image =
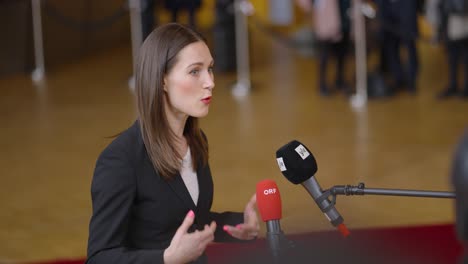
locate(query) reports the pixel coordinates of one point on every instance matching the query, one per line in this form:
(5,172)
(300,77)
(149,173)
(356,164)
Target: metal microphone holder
(362,190)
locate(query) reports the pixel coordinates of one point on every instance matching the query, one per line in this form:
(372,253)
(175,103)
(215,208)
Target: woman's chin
(201,113)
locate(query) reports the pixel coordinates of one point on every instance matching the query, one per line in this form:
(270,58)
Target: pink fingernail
(238,226)
(191,213)
(225,228)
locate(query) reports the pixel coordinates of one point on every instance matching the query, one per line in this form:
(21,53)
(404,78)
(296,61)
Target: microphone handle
(274,237)
(321,199)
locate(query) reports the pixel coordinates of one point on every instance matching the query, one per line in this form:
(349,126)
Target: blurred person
(147,17)
(332,30)
(152,188)
(399,28)
(175,6)
(224,38)
(451,28)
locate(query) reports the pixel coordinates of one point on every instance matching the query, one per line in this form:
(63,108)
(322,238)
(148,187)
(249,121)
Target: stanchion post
(38,73)
(359,100)
(137,36)
(242,86)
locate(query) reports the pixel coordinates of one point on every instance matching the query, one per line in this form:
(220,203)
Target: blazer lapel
(205,186)
(178,186)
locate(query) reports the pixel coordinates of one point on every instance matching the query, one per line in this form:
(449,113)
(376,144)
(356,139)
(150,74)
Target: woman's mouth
(206,100)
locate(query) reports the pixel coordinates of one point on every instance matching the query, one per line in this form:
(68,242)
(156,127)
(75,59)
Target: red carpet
(435,244)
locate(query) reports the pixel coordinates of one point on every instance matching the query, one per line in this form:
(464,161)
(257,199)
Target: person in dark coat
(175,6)
(399,28)
(337,49)
(147,17)
(452,29)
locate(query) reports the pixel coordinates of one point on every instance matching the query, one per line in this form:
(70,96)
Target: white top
(190,176)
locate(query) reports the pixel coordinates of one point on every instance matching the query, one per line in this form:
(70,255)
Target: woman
(332,30)
(399,29)
(454,30)
(152,188)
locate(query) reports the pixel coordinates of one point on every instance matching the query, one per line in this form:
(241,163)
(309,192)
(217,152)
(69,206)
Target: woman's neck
(177,121)
(177,126)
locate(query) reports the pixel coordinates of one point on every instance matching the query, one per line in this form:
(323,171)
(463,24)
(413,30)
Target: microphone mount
(361,189)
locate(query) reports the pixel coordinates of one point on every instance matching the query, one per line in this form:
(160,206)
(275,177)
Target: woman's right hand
(186,247)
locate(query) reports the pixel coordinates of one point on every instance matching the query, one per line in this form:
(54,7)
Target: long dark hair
(158,55)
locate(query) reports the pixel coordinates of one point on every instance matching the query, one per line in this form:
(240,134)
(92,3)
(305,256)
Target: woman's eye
(210,69)
(194,72)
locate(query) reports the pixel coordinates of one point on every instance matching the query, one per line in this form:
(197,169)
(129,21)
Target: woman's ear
(164,84)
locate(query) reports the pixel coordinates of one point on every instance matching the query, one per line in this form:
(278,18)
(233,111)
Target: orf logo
(269,191)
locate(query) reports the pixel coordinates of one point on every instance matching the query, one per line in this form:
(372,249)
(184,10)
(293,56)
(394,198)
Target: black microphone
(460,183)
(298,165)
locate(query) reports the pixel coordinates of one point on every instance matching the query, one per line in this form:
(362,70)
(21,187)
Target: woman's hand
(186,247)
(249,229)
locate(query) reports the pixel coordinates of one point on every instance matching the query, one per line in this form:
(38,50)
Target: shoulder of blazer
(127,143)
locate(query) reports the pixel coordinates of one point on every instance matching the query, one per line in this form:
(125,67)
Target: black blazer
(136,212)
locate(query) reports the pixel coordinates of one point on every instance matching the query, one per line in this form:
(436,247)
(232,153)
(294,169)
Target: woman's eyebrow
(195,64)
(199,64)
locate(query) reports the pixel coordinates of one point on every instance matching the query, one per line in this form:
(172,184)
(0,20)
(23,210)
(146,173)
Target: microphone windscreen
(268,200)
(460,183)
(296,162)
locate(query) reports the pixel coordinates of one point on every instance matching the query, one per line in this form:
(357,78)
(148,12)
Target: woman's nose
(209,83)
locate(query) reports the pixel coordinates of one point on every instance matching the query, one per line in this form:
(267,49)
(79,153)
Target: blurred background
(378,93)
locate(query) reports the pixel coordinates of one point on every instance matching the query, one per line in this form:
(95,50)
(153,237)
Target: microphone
(269,207)
(298,165)
(460,183)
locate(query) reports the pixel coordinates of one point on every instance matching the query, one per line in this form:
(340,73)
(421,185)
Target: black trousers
(339,50)
(400,72)
(457,51)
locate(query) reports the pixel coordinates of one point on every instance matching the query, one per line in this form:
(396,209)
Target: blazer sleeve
(113,191)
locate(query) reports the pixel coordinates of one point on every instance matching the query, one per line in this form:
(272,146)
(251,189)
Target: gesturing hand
(186,247)
(249,229)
